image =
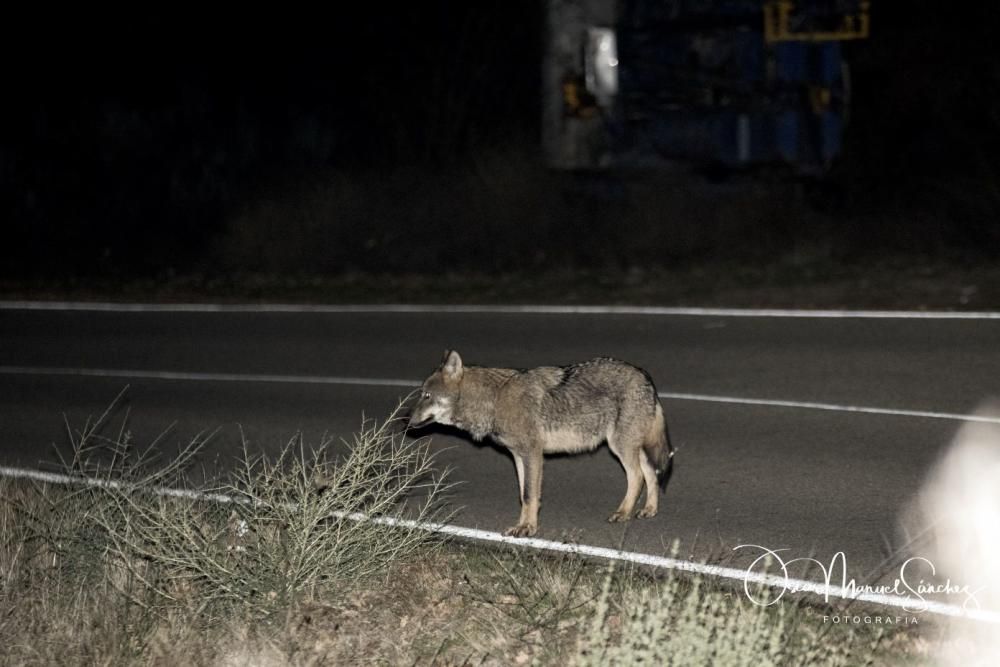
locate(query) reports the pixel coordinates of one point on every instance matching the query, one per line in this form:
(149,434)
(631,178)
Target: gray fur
(555,409)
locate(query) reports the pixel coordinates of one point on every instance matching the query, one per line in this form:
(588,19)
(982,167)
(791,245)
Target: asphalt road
(813,481)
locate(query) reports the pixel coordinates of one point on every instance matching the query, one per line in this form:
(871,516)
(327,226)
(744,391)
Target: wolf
(556,409)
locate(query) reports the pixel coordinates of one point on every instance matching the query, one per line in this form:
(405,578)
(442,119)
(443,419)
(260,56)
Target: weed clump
(129,541)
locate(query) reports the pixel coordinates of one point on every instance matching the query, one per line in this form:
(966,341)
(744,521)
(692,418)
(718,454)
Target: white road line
(908,604)
(206,377)
(809,405)
(410,384)
(527,309)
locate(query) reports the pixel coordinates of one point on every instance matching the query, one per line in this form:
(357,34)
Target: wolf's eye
(425,395)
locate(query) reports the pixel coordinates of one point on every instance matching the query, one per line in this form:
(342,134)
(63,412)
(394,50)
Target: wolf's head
(439,393)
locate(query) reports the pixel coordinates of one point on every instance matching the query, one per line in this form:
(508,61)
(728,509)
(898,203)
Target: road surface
(814,479)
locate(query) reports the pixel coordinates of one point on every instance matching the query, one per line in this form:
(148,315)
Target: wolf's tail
(658,448)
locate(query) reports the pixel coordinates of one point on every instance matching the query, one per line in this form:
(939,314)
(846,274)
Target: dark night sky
(141,131)
(147,127)
(357,72)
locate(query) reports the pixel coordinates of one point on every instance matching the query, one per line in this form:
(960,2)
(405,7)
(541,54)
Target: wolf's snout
(419,418)
(419,424)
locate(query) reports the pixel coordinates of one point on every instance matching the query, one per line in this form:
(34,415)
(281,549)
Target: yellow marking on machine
(778,16)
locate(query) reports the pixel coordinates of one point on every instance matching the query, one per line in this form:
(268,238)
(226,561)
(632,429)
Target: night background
(762,235)
(160,144)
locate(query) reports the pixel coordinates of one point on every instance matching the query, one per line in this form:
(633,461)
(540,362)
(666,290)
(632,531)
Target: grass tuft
(112,566)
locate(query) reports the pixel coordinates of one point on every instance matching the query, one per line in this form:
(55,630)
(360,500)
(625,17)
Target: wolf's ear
(452,366)
(444,359)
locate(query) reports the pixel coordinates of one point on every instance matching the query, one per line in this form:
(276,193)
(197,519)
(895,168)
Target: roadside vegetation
(306,558)
(807,279)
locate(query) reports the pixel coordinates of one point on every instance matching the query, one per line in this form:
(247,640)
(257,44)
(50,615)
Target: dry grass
(96,571)
(113,572)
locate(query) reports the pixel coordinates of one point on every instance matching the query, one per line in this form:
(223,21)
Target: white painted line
(58,478)
(207,377)
(410,384)
(809,405)
(516,309)
(662,562)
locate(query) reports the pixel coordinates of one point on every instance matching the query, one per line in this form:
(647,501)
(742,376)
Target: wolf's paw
(619,516)
(522,530)
(646,513)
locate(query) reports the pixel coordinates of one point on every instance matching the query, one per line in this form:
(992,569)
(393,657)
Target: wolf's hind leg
(629,457)
(652,496)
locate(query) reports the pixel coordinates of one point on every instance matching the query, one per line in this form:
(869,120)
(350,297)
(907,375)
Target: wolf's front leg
(529,467)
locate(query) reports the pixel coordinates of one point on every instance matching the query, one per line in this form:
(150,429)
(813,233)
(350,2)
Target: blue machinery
(632,83)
